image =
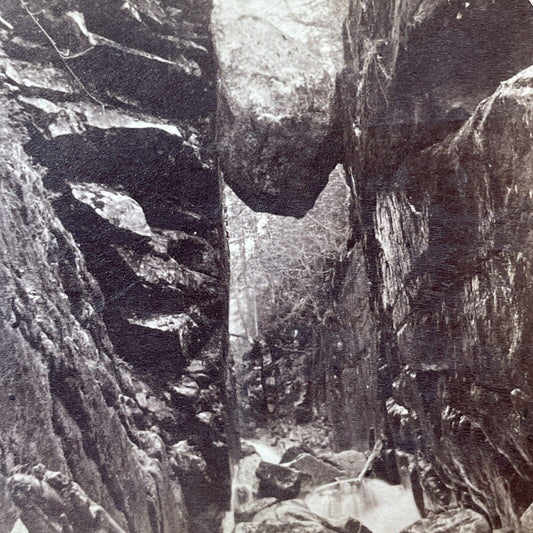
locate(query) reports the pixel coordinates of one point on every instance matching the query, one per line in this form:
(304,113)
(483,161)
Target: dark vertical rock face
(442,227)
(113,269)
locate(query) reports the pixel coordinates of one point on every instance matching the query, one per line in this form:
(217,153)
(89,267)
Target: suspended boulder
(275,103)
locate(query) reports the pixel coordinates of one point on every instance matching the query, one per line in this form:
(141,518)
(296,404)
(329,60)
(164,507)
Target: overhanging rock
(277,67)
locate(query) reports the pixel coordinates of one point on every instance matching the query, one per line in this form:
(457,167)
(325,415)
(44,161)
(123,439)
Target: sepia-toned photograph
(266,266)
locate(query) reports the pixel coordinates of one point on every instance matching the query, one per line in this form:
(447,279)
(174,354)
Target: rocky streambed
(323,492)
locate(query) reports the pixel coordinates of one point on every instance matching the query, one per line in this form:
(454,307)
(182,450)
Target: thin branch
(6,23)
(61,54)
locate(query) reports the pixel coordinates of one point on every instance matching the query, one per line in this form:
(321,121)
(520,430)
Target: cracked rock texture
(438,153)
(114,276)
(113,260)
(277,66)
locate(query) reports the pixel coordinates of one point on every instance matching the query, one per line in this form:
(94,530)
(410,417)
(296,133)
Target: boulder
(277,66)
(188,462)
(294,451)
(319,471)
(152,444)
(294,516)
(246,511)
(280,527)
(452,521)
(278,481)
(350,462)
(246,448)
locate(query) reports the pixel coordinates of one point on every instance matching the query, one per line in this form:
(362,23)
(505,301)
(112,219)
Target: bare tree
(281,269)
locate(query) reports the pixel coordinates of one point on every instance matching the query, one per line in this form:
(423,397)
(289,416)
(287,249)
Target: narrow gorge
(392,325)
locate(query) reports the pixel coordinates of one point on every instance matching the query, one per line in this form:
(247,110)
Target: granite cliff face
(114,269)
(439,155)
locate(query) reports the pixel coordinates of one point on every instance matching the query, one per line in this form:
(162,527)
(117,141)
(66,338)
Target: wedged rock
(319,471)
(350,462)
(277,67)
(278,481)
(453,521)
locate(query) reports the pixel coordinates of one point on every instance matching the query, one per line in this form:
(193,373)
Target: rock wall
(114,269)
(438,153)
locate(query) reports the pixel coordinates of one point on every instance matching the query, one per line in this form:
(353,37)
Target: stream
(381,507)
(266,452)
